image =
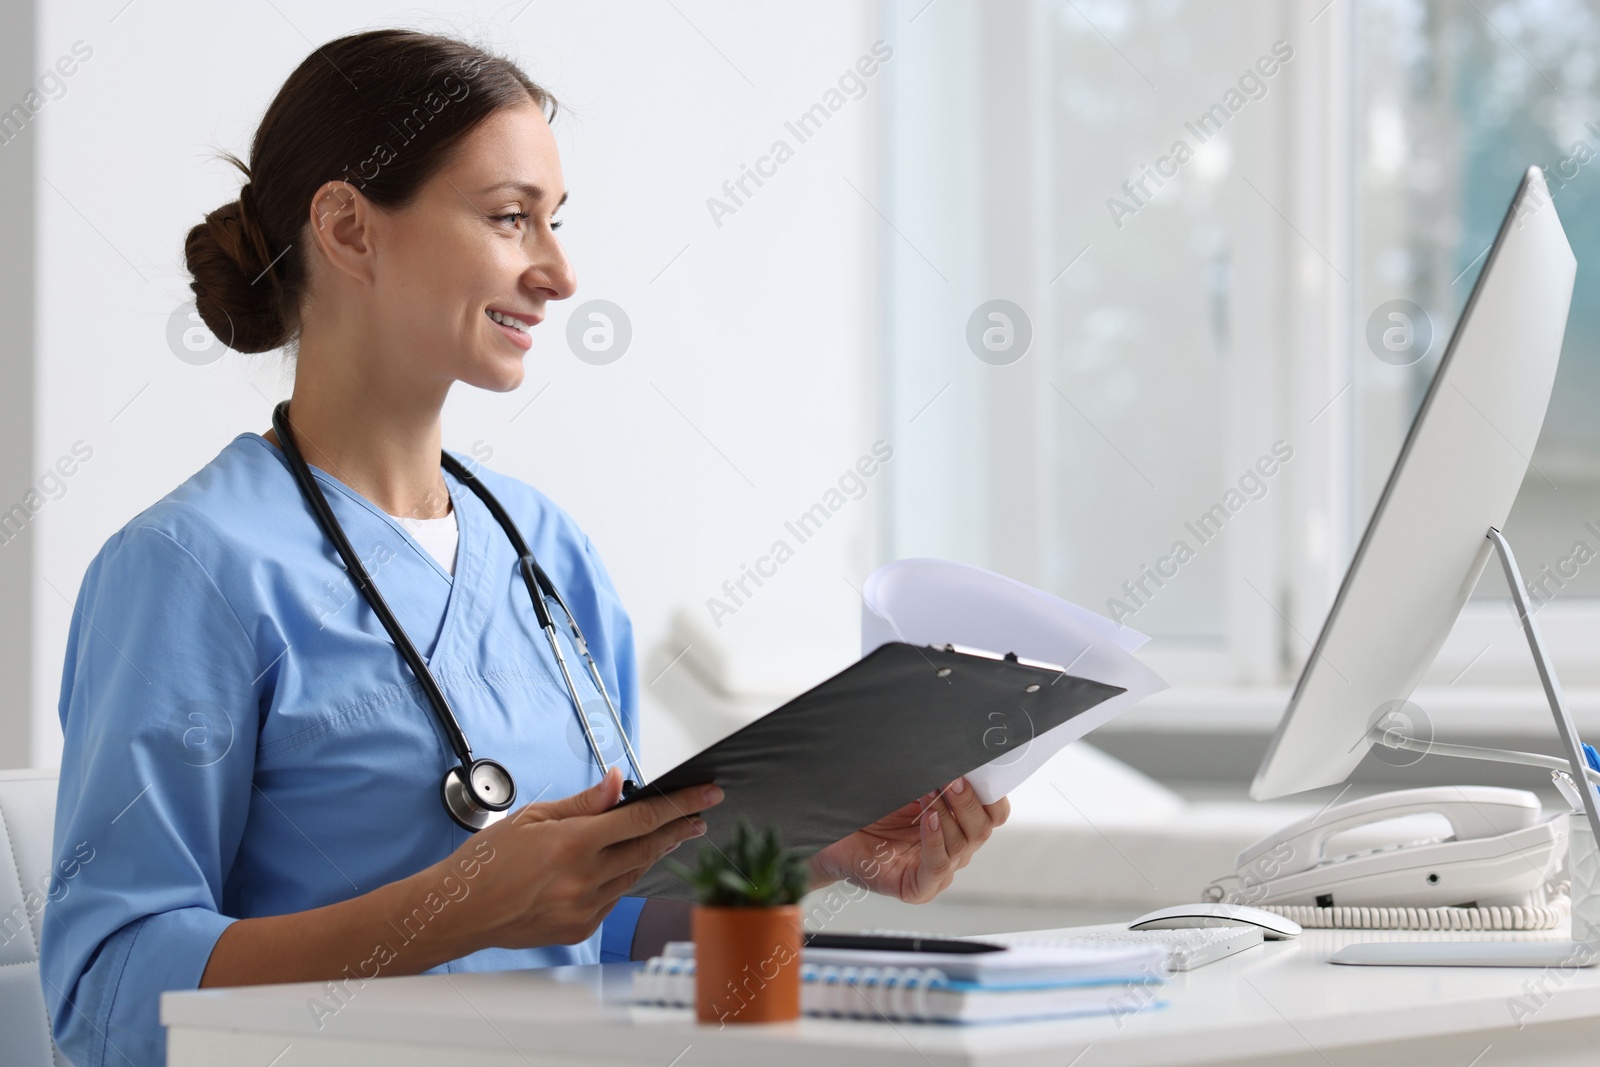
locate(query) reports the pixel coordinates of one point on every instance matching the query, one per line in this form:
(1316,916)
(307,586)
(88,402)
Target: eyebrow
(527,189)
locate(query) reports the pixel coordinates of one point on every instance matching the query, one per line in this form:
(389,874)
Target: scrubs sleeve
(618,928)
(615,657)
(159,708)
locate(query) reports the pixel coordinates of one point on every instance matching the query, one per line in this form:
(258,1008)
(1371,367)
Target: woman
(255,772)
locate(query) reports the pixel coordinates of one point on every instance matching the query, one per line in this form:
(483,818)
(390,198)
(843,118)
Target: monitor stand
(1583,857)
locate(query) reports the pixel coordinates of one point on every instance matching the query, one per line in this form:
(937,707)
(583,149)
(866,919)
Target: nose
(552,271)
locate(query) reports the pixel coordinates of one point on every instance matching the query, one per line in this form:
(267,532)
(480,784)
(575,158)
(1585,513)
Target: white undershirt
(438,536)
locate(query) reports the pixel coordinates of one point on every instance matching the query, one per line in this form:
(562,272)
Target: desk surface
(1282,1003)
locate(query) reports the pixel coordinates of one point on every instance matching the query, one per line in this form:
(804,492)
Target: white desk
(1281,1004)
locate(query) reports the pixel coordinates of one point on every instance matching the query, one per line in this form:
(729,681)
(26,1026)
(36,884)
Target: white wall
(762,332)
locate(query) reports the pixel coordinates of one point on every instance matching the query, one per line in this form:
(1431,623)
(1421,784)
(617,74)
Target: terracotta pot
(746,964)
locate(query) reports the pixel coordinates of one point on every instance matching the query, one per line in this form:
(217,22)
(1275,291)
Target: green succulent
(753,870)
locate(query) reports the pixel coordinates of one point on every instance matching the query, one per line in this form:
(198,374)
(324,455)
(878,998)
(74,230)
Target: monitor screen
(1457,475)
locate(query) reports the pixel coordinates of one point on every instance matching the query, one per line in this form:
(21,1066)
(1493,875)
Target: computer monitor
(1458,473)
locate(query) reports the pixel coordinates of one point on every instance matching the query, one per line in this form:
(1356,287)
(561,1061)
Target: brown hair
(381,110)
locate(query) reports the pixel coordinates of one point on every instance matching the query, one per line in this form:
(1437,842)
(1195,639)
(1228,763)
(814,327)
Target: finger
(643,852)
(970,816)
(999,811)
(618,884)
(933,867)
(906,814)
(647,816)
(616,887)
(956,844)
(602,796)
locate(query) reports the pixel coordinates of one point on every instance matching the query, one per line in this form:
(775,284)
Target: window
(1456,101)
(1131,254)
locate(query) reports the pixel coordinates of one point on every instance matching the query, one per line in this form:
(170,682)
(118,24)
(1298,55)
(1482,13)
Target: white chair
(27,818)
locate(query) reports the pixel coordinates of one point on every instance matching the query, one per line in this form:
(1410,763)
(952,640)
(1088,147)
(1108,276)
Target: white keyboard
(1186,949)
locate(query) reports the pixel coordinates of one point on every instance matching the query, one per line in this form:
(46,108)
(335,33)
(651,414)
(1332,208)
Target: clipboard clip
(1010,657)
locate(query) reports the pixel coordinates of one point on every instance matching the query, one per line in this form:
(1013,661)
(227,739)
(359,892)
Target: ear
(341,232)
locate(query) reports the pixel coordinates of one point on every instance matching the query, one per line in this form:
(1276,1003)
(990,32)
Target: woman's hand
(545,875)
(915,852)
(550,872)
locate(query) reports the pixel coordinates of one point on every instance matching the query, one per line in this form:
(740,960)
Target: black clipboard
(903,721)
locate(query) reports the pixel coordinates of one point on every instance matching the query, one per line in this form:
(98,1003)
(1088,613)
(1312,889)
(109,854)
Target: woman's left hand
(915,852)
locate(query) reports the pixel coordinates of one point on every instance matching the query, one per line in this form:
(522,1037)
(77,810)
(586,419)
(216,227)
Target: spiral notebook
(1062,980)
(912,994)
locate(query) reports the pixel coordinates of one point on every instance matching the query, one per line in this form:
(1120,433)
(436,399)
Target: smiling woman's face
(477,243)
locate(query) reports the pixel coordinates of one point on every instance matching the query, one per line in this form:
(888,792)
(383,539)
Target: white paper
(938,602)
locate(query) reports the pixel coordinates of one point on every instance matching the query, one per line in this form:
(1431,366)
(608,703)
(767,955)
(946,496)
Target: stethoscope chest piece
(480,796)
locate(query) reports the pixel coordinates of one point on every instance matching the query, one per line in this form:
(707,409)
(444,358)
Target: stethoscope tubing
(533,576)
(369,589)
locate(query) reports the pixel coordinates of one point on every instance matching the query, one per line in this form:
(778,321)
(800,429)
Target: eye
(514,216)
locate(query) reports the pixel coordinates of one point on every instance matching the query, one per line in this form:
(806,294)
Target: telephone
(1498,851)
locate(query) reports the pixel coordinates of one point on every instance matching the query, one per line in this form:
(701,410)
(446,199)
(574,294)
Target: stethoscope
(476,792)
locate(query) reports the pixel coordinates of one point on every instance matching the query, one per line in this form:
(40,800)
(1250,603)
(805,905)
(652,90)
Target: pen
(882,943)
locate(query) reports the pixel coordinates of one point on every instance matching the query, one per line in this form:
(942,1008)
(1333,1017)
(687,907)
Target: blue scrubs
(244,739)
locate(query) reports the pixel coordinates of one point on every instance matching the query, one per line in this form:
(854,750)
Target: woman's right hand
(545,875)
(551,871)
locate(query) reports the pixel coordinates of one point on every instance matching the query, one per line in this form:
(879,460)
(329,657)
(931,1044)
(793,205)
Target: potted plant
(746,925)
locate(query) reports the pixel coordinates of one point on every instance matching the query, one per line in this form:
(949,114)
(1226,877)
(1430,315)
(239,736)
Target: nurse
(251,779)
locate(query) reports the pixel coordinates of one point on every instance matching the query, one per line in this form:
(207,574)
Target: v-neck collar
(466,537)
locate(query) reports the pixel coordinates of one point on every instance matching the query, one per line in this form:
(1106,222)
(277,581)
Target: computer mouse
(1189,916)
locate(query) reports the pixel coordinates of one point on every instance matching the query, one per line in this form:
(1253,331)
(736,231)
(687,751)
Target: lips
(513,329)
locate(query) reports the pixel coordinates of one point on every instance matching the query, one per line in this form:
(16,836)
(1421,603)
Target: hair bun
(250,226)
(235,287)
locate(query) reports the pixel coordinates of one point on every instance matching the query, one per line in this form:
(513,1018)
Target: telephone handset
(1498,851)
